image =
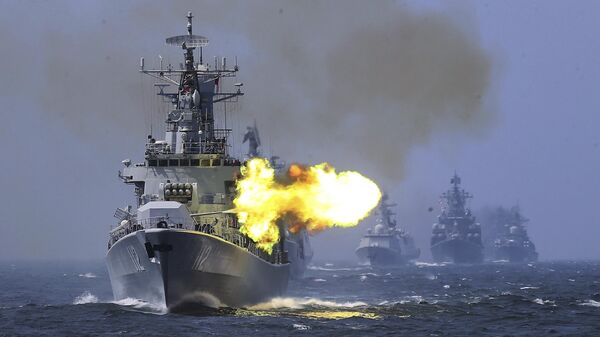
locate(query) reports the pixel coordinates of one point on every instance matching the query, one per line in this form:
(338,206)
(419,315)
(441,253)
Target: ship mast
(191,124)
(386,212)
(456,198)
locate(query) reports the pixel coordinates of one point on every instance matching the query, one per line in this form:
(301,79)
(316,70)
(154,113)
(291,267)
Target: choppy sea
(493,299)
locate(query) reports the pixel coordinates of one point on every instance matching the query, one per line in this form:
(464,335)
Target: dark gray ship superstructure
(386,244)
(513,243)
(456,237)
(299,250)
(182,247)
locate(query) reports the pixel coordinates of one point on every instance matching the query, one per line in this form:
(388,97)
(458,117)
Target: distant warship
(299,250)
(385,244)
(456,236)
(182,246)
(513,243)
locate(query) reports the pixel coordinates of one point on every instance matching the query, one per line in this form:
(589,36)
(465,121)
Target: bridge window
(173,162)
(184,162)
(195,162)
(162,162)
(151,162)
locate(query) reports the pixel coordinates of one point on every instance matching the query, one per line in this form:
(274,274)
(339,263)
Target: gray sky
(519,122)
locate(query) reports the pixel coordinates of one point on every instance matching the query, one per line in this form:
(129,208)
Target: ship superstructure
(182,246)
(386,244)
(456,237)
(513,243)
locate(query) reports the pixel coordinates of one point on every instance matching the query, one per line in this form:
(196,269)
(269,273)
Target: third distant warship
(513,243)
(181,246)
(456,236)
(385,244)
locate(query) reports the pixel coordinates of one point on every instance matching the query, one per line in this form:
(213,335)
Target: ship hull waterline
(457,251)
(515,254)
(381,256)
(185,271)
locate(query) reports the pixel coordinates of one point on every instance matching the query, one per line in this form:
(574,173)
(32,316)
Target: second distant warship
(513,243)
(386,244)
(456,237)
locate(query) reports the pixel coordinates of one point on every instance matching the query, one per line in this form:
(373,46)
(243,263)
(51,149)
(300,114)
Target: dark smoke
(342,81)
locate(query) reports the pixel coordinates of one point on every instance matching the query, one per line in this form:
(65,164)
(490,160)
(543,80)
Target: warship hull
(185,271)
(457,251)
(515,254)
(380,256)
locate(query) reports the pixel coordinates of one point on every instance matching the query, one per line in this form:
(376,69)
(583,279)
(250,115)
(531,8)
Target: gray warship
(456,237)
(181,247)
(513,243)
(386,244)
(299,250)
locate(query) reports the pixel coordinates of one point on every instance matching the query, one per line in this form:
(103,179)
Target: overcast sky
(505,93)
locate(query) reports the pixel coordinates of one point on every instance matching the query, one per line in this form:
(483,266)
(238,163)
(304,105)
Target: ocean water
(494,299)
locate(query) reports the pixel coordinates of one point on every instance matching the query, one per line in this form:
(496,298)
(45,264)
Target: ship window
(205,162)
(195,162)
(173,162)
(216,162)
(162,162)
(184,162)
(152,162)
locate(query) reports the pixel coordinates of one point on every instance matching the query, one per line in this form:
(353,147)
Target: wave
(301,327)
(320,280)
(542,302)
(88,275)
(85,298)
(141,305)
(335,269)
(428,264)
(591,303)
(303,303)
(88,298)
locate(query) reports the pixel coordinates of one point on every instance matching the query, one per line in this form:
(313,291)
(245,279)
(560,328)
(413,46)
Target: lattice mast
(191,124)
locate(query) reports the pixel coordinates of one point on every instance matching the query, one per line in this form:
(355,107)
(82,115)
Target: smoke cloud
(342,81)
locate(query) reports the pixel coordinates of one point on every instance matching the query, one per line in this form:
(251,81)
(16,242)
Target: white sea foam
(428,264)
(363,278)
(369,274)
(334,269)
(141,305)
(301,303)
(320,280)
(85,298)
(412,299)
(525,288)
(542,302)
(88,275)
(301,327)
(591,303)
